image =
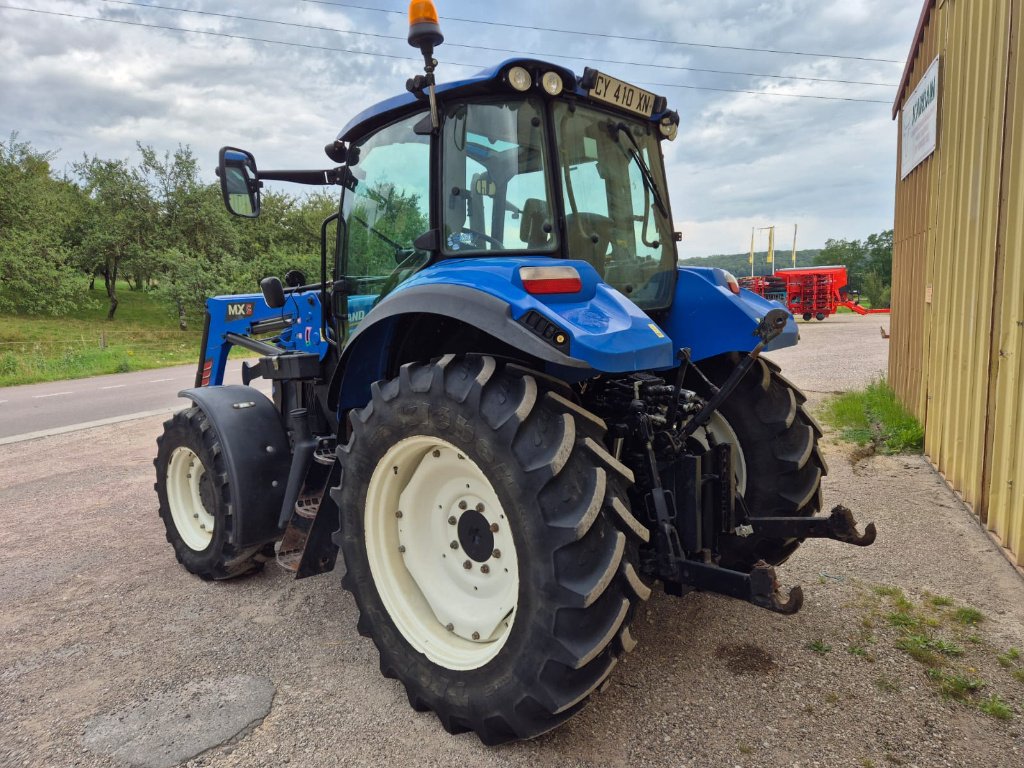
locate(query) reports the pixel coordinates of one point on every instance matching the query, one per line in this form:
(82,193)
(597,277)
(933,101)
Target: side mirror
(273,292)
(239,182)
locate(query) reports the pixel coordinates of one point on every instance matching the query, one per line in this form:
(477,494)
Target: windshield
(496,193)
(616,207)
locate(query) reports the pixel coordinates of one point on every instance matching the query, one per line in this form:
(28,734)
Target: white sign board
(920,116)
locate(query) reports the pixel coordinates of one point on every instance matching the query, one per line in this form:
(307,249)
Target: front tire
(507,645)
(195,499)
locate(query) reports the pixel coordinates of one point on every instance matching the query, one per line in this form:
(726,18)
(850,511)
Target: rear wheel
(488,544)
(195,499)
(778,464)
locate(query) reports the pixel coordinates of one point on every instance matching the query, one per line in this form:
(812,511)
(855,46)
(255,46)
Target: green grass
(144,334)
(819,646)
(923,648)
(954,685)
(940,601)
(1007,659)
(874,416)
(903,619)
(969,617)
(996,707)
(886,590)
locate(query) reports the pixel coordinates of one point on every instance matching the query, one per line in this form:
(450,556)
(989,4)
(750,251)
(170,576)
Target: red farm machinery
(808,292)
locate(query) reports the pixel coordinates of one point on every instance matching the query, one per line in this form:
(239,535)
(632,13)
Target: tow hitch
(839,525)
(710,510)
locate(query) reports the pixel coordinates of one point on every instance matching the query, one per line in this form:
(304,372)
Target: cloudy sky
(742,159)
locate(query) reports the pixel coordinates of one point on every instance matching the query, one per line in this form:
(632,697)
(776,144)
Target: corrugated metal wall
(1004,476)
(958,270)
(912,233)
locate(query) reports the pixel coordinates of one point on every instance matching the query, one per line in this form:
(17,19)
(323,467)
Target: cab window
(385,212)
(496,193)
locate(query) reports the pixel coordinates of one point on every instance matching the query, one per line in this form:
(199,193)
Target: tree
(120,219)
(39,218)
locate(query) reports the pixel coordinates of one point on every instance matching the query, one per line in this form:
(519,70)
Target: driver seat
(588,237)
(531,223)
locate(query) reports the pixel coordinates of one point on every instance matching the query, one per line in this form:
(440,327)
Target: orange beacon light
(424,30)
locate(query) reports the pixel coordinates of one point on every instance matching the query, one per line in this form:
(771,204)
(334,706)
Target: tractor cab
(524,159)
(529,163)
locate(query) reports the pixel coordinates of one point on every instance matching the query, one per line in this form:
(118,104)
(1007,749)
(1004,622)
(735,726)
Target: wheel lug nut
(398,513)
(496,553)
(467,565)
(476,635)
(450,627)
(454,545)
(401,548)
(494,527)
(485,568)
(480,507)
(452,520)
(462,504)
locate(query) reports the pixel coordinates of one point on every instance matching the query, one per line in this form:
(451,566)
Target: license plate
(622,95)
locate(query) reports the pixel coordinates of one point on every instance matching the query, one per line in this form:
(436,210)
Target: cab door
(385,208)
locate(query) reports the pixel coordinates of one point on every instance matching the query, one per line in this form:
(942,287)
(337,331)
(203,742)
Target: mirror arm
(312,178)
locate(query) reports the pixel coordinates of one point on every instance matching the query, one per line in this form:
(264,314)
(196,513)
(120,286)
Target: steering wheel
(485,237)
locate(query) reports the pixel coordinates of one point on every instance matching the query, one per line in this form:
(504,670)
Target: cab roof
(487,81)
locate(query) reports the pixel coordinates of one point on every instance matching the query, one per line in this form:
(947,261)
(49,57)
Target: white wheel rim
(194,522)
(722,432)
(459,617)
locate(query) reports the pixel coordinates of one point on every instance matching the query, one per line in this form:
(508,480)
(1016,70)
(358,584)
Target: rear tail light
(544,280)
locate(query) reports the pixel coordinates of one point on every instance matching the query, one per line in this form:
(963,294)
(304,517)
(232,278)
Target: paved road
(54,405)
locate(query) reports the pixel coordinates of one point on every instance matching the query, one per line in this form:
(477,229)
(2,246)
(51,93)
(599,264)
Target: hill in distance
(738,263)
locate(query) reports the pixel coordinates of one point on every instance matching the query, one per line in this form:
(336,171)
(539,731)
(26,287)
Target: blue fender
(604,331)
(236,314)
(710,319)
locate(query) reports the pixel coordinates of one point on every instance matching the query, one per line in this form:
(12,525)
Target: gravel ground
(99,623)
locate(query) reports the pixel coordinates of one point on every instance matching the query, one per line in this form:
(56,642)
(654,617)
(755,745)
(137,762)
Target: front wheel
(195,494)
(488,544)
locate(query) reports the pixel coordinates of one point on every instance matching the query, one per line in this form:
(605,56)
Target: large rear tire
(780,464)
(195,499)
(488,544)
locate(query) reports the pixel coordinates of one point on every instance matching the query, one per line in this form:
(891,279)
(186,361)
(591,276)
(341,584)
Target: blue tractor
(501,400)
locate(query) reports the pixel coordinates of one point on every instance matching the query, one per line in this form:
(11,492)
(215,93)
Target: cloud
(741,159)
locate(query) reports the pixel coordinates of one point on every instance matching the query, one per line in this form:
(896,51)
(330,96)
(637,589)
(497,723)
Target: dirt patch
(745,659)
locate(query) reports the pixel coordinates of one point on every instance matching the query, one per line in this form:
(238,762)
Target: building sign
(920,117)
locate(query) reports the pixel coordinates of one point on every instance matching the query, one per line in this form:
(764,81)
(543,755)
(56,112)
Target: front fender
(710,319)
(256,453)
